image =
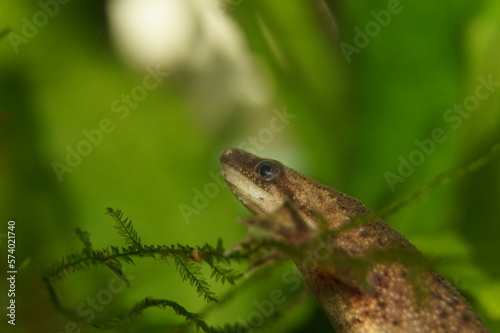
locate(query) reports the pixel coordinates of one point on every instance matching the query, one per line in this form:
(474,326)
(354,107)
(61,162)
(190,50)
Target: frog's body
(294,207)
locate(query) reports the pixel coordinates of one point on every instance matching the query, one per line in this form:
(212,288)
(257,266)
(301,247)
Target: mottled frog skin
(393,295)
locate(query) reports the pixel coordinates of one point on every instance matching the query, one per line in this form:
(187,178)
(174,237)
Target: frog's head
(260,184)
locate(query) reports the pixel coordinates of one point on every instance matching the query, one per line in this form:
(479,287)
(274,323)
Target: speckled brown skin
(289,205)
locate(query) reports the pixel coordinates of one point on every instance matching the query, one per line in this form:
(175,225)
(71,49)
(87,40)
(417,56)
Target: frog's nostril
(226,152)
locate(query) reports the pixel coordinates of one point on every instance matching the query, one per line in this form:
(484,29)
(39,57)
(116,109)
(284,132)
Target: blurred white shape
(195,39)
(149,32)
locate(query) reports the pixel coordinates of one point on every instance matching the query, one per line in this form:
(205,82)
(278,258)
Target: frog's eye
(267,169)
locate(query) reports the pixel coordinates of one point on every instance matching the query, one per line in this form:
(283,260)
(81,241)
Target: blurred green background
(360,87)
